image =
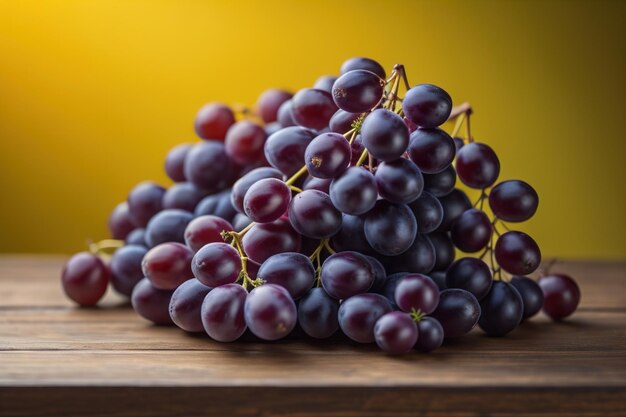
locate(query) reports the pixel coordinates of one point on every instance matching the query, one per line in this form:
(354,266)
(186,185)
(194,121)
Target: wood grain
(57,360)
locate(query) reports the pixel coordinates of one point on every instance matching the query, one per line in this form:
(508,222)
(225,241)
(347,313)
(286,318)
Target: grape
(471,231)
(186,303)
(168,226)
(345,274)
(270,312)
(319,184)
(395,333)
(267,239)
(208,166)
(354,192)
(444,250)
(269,102)
(453,204)
(285,149)
(358,315)
(327,156)
(244,183)
(439,277)
(120,223)
(501,309)
(419,258)
(389,288)
(360,63)
(477,165)
(427,105)
(358,91)
(137,237)
(213,121)
(217,205)
(183,195)
(341,122)
(385,135)
(240,222)
(291,270)
(266,200)
(85,279)
(513,201)
(458,143)
(222,313)
(325,82)
(390,228)
(144,201)
(380,274)
(399,181)
(313,108)
(416,292)
(458,312)
(284,116)
(126,268)
(441,183)
(244,142)
(151,303)
(313,215)
(430,335)
(216,264)
(351,236)
(428,212)
(561,295)
(432,150)
(517,253)
(470,274)
(167,265)
(175,162)
(532,296)
(205,229)
(317,314)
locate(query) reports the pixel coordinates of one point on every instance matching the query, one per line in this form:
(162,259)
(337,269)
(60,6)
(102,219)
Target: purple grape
(345,274)
(291,270)
(358,91)
(285,149)
(144,201)
(342,121)
(360,63)
(358,315)
(471,231)
(532,296)
(477,165)
(244,142)
(385,135)
(167,265)
(399,181)
(313,215)
(416,292)
(208,166)
(186,303)
(513,201)
(390,228)
(517,253)
(327,156)
(501,309)
(270,312)
(284,116)
(325,82)
(441,183)
(470,274)
(430,335)
(243,184)
(269,102)
(354,192)
(85,279)
(313,108)
(175,162)
(120,223)
(427,105)
(183,196)
(428,212)
(458,312)
(213,121)
(444,250)
(432,150)
(266,200)
(126,268)
(137,237)
(267,239)
(319,184)
(167,226)
(151,303)
(317,314)
(396,333)
(222,313)
(419,258)
(351,236)
(216,264)
(454,204)
(204,230)
(561,295)
(218,205)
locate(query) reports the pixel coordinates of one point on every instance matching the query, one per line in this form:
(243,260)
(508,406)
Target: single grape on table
(338,208)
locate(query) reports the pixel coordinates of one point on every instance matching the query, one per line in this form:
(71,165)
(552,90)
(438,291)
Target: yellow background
(94,93)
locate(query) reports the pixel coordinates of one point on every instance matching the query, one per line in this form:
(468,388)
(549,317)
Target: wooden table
(58,360)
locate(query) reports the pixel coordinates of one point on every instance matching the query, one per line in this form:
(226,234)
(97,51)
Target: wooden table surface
(58,360)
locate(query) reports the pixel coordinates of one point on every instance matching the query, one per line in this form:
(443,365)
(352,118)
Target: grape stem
(297,175)
(105,247)
(316,257)
(244,277)
(416,315)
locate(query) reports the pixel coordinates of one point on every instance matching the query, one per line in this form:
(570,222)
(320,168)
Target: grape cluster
(334,208)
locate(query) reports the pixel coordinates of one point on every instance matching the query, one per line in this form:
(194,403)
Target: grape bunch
(340,208)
